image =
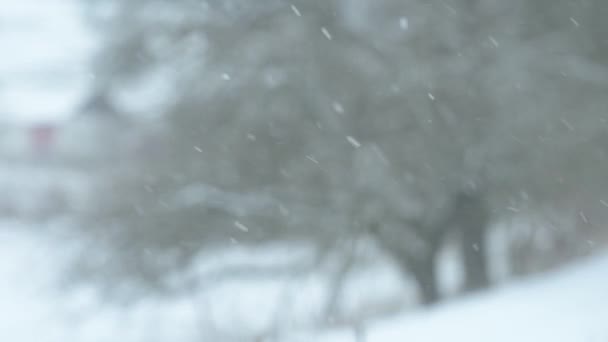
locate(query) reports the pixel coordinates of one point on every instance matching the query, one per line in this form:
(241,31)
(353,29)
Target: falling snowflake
(404,23)
(583,217)
(296,10)
(312,159)
(241,226)
(326,33)
(337,106)
(574,22)
(567,124)
(353,141)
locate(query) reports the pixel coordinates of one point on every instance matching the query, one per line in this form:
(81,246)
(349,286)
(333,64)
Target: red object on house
(42,137)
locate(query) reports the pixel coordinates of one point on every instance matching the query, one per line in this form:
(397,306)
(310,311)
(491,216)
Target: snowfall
(39,302)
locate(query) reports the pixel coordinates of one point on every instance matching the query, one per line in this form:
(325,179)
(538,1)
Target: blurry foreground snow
(36,304)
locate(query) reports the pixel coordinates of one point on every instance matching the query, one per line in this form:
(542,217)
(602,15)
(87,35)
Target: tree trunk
(472,218)
(417,263)
(338,279)
(475,258)
(424,274)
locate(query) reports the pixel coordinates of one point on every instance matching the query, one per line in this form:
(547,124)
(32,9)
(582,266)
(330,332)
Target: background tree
(321,121)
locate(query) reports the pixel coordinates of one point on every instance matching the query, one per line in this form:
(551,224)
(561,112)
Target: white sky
(43,61)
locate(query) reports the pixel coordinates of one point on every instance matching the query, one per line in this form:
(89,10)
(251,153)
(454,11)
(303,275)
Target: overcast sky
(45,48)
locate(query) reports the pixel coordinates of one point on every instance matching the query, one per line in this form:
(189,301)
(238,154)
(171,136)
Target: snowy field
(569,305)
(36,305)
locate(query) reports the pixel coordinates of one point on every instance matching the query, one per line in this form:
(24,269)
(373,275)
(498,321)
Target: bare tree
(408,120)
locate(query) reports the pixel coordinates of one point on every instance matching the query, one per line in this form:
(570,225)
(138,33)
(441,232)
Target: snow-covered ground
(36,305)
(568,305)
(35,292)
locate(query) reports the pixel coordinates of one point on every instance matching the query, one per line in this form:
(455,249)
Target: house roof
(99,104)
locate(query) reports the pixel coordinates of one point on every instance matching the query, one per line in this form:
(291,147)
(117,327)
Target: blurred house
(46,166)
(96,133)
